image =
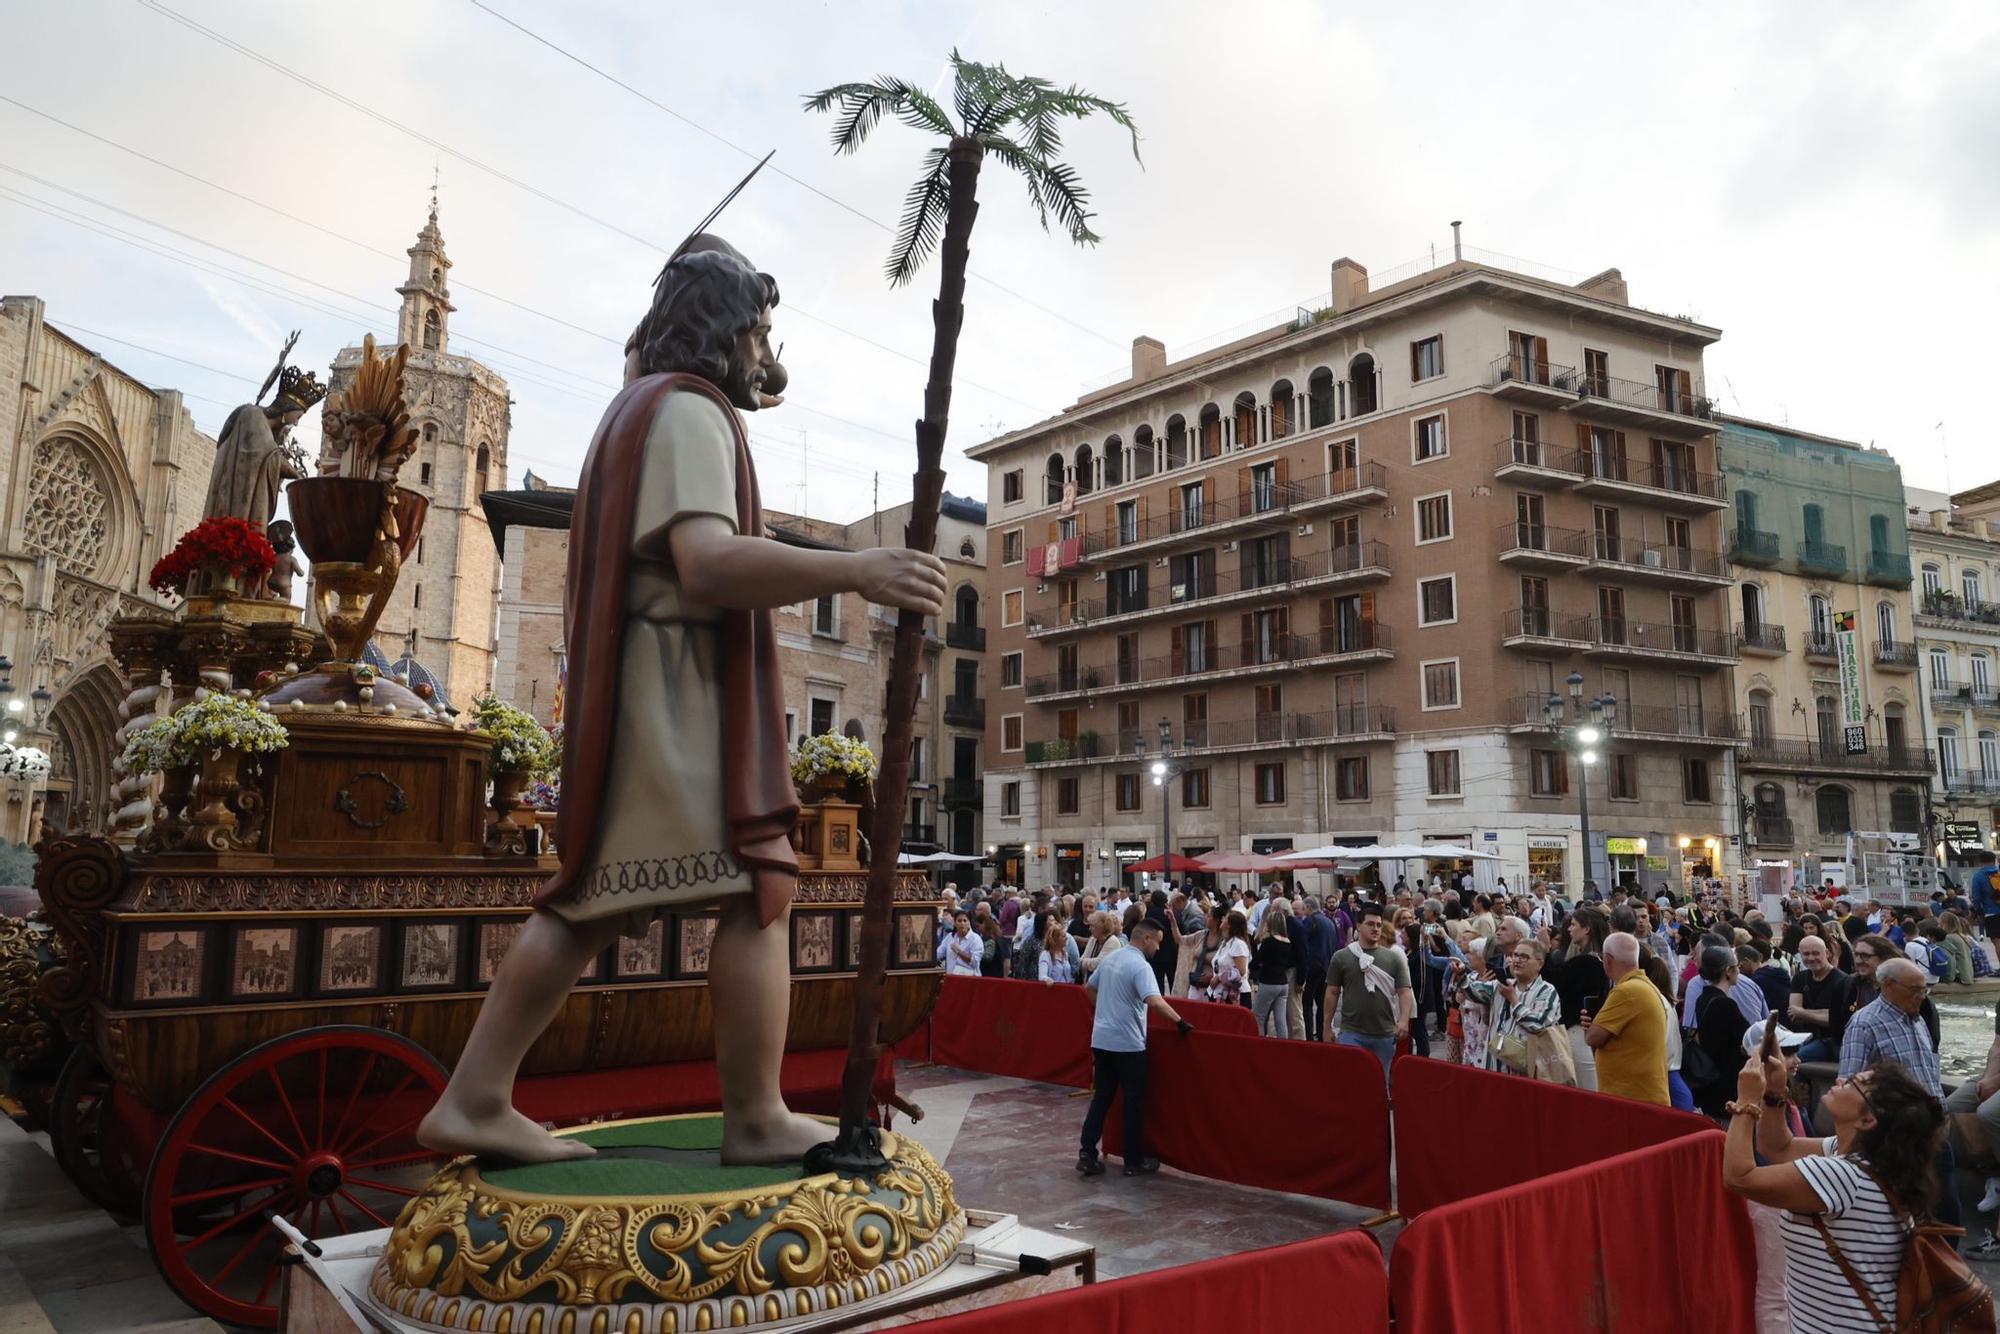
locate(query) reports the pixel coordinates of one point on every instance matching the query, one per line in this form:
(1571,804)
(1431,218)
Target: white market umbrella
(1442,852)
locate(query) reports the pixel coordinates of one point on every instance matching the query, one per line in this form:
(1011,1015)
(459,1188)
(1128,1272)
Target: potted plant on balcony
(829,767)
(522,752)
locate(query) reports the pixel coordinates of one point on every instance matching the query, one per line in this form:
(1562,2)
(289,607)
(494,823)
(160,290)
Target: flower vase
(507,835)
(212,820)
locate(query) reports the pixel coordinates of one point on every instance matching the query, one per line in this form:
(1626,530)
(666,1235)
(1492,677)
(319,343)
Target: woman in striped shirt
(1848,1198)
(1528,1002)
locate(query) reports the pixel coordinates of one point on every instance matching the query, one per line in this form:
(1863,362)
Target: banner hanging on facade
(1853,721)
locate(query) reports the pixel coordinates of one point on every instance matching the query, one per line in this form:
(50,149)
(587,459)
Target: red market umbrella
(1167,864)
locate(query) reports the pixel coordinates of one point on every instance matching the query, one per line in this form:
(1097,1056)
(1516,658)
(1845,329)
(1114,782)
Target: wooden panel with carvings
(341,792)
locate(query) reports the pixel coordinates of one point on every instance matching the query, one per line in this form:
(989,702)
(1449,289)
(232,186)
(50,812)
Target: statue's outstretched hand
(901,578)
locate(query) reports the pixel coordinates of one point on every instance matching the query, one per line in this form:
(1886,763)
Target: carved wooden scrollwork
(77,878)
(394,805)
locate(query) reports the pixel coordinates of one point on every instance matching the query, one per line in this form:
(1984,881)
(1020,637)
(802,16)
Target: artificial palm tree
(1017,121)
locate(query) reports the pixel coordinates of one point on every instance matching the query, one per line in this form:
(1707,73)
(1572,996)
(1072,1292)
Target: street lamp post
(1588,725)
(1163,769)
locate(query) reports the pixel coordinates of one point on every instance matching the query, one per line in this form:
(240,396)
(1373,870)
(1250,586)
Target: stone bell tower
(446,607)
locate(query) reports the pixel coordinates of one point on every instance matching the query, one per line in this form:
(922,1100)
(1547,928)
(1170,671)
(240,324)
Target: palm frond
(1040,113)
(1066,197)
(861,106)
(1010,154)
(924,212)
(919,110)
(981,93)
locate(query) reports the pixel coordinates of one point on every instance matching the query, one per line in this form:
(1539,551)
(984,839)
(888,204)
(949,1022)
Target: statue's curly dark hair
(706,298)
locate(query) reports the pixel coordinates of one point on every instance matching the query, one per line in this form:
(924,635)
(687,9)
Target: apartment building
(1819,547)
(1345,563)
(1955,546)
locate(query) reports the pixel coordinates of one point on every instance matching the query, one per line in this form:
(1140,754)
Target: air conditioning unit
(1229,546)
(1305,530)
(1098,578)
(1651,560)
(1160,563)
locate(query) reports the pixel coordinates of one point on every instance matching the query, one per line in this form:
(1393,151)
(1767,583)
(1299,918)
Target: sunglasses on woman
(1860,1090)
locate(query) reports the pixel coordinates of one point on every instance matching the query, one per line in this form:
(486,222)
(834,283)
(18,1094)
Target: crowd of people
(1660,1000)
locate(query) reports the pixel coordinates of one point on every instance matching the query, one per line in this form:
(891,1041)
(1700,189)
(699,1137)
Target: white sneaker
(1991,1199)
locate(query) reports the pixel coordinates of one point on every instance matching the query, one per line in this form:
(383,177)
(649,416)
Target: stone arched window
(483,462)
(71,507)
(433,331)
(1835,808)
(1319,398)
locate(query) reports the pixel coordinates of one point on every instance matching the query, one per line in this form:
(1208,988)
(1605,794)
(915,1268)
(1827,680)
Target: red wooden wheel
(318,1127)
(102,1159)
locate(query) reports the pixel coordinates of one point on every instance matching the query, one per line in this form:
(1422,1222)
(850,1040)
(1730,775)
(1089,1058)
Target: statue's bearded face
(750,364)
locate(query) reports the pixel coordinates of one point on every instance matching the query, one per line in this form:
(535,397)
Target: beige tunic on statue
(663,840)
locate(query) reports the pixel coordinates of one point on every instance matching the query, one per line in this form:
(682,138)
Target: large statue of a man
(677,790)
(252,460)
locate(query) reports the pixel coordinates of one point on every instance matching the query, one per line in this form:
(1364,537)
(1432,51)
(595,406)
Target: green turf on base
(701,1172)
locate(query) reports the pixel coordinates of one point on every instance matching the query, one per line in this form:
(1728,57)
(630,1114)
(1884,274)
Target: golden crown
(298,390)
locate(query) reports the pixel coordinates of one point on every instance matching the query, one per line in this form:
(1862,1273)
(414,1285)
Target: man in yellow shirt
(1629,1032)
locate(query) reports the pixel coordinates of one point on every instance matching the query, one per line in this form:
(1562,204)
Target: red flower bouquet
(220,545)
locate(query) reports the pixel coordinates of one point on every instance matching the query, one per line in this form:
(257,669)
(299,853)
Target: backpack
(1698,1068)
(1936,1291)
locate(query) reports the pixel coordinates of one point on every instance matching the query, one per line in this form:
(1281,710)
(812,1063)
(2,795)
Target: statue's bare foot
(784,1137)
(505,1134)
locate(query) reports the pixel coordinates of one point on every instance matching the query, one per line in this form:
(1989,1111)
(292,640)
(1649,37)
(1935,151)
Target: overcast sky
(1817,179)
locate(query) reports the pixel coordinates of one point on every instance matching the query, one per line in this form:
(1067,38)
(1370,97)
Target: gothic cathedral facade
(444,613)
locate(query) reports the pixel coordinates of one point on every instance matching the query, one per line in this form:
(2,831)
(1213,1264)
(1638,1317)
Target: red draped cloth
(1528,1129)
(1328,1285)
(1648,1242)
(1210,1099)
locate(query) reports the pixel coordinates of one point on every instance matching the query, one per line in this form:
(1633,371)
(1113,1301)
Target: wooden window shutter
(1179,651)
(1285,625)
(1368,609)
(1207,499)
(1055,530)
(1414,373)
(1541,368)
(1144,505)
(1684,382)
(1249,639)
(1326,613)
(1243,490)
(1284,474)
(1111,521)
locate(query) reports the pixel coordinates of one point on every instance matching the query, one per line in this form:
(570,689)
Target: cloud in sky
(1818,180)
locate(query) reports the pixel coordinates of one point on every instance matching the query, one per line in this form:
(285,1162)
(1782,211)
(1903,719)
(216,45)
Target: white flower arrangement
(213,723)
(520,744)
(23,762)
(831,756)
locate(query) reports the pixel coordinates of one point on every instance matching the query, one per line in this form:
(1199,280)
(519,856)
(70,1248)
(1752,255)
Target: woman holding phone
(1581,983)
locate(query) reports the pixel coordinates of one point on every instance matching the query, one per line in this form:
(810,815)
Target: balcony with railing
(919,833)
(1540,547)
(1754,546)
(1635,402)
(1822,558)
(1355,563)
(1951,609)
(1819,754)
(1665,722)
(1772,831)
(1334,645)
(1888,569)
(1819,646)
(1536,628)
(965,710)
(1985,697)
(1671,486)
(959,634)
(1761,637)
(1630,558)
(963,793)
(1970,782)
(1526,379)
(1532,463)
(1618,637)
(1347,723)
(1261,504)
(1895,657)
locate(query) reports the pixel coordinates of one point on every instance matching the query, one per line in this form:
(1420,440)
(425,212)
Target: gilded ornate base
(655,1235)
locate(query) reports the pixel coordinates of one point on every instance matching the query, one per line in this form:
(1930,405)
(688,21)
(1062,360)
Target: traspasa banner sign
(1847,647)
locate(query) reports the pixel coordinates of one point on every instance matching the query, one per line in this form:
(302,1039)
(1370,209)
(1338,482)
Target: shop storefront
(1701,860)
(1548,860)
(1125,854)
(1010,862)
(1627,856)
(1069,867)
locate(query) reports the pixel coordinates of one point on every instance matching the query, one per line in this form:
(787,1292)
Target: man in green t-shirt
(1368,990)
(1629,1031)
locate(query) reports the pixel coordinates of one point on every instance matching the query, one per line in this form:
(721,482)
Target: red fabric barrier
(1333,1284)
(1649,1241)
(1211,1100)
(1533,1129)
(1003,1026)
